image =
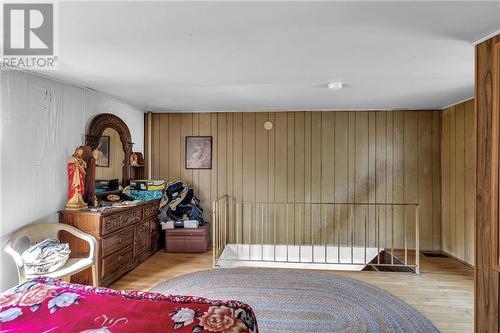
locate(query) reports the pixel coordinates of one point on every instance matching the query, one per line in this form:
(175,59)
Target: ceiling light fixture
(335,85)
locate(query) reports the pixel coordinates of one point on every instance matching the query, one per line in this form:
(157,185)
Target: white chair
(36,233)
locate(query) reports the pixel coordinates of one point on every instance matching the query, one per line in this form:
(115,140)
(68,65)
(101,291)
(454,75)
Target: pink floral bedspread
(48,305)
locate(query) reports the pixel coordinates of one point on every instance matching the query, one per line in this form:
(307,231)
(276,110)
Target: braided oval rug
(286,300)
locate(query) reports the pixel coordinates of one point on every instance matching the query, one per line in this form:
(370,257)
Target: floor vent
(434,254)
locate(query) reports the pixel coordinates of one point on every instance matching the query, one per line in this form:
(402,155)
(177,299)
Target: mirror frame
(97,126)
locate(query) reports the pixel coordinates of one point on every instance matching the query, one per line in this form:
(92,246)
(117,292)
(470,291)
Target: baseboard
(455,258)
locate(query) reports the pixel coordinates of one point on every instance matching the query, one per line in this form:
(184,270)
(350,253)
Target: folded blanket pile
(45,257)
(179,201)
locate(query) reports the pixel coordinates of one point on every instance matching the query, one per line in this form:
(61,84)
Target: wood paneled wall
(376,156)
(487,296)
(458,159)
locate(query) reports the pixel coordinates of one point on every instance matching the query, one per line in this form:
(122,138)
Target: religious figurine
(76,177)
(134,159)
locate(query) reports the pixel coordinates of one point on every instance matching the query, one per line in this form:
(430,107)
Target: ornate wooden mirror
(115,131)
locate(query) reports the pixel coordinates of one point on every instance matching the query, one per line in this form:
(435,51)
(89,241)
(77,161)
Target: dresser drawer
(187,244)
(117,241)
(150,209)
(155,225)
(116,262)
(142,237)
(155,241)
(135,216)
(120,220)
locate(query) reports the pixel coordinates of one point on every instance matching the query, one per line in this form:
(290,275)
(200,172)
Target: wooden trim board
(486,279)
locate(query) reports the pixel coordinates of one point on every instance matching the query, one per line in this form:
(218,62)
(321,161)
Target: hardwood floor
(444,290)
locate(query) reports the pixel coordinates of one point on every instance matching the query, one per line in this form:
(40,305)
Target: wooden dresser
(125,237)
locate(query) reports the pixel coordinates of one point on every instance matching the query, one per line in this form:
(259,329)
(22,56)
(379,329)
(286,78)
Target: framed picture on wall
(102,152)
(198,152)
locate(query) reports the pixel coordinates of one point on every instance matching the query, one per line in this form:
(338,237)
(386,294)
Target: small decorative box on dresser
(125,237)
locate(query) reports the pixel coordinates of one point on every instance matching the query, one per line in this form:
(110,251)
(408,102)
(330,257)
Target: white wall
(41,123)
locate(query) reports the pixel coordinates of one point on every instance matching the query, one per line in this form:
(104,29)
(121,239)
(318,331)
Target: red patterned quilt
(48,305)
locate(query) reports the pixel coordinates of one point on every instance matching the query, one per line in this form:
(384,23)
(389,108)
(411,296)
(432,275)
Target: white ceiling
(262,56)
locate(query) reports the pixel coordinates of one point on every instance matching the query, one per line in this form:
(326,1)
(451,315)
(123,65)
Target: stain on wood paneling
(436,182)
(458,171)
(470,181)
(425,180)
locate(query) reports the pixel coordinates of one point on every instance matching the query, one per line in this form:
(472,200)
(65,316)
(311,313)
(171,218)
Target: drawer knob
(120,258)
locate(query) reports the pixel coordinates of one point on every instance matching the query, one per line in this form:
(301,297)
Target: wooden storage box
(187,240)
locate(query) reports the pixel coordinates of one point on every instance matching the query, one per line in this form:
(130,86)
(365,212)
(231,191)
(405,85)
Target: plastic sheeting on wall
(42,122)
